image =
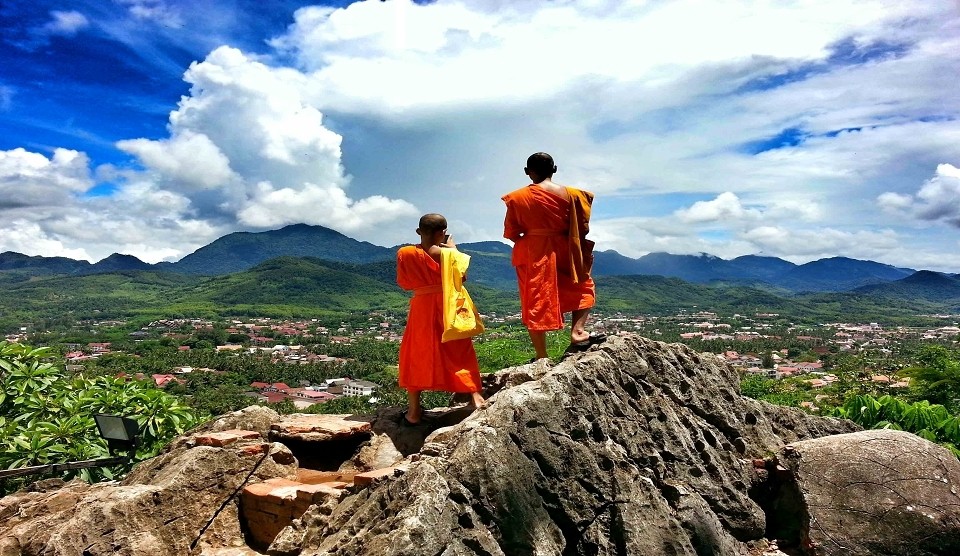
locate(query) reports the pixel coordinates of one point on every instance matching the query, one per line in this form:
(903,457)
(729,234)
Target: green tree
(756,386)
(937,376)
(46,415)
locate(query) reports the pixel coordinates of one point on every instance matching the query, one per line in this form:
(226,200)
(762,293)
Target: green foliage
(757,387)
(930,421)
(937,376)
(508,346)
(789,392)
(366,350)
(46,415)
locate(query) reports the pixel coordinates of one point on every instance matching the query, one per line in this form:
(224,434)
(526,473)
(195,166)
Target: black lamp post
(120,434)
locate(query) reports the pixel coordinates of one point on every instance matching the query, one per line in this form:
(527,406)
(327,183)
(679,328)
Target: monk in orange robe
(548,224)
(426,363)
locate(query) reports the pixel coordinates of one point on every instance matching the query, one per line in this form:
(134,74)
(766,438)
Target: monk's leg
(413,406)
(539,340)
(578,332)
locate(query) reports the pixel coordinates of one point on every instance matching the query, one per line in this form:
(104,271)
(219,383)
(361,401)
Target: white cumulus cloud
(247,132)
(726,207)
(66,23)
(937,200)
(30,179)
(187,159)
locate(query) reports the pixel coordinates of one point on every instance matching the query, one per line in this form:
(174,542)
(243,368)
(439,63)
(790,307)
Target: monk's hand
(448,242)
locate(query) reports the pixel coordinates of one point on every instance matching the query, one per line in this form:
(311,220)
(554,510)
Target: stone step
(225,438)
(267,507)
(314,477)
(307,427)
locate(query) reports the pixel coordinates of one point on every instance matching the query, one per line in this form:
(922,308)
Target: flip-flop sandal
(584,345)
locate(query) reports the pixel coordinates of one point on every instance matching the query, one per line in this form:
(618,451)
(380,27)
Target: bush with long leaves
(930,421)
(46,414)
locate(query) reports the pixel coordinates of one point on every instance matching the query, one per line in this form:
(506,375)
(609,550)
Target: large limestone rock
(637,447)
(877,492)
(175,503)
(634,447)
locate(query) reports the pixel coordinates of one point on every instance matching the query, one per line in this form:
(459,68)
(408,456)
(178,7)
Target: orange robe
(426,363)
(552,264)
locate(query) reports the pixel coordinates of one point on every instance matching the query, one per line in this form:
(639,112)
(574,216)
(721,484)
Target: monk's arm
(512,229)
(403,277)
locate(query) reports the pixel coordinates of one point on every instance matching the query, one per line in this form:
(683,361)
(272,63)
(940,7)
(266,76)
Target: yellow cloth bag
(460,316)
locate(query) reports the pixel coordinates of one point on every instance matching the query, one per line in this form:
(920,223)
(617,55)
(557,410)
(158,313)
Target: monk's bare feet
(412,417)
(477,401)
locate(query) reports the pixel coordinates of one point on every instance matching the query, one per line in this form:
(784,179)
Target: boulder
(635,447)
(179,502)
(876,492)
(632,447)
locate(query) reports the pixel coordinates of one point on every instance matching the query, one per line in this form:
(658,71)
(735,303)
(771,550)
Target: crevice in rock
(476,547)
(326,455)
(777,493)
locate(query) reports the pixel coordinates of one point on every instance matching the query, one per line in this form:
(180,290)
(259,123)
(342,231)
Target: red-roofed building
(810,366)
(274,397)
(316,396)
(163,380)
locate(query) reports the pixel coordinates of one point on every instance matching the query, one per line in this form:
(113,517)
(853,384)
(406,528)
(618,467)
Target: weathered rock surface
(876,492)
(634,447)
(637,447)
(164,506)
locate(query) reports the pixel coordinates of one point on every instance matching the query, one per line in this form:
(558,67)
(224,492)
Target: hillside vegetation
(295,286)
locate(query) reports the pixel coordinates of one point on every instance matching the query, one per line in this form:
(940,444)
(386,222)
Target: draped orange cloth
(425,362)
(551,254)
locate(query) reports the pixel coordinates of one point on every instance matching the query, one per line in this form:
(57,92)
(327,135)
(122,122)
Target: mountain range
(37,289)
(242,251)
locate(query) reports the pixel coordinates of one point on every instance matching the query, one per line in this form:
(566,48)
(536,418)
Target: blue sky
(802,130)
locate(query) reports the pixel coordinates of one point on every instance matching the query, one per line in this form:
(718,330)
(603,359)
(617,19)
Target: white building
(359,388)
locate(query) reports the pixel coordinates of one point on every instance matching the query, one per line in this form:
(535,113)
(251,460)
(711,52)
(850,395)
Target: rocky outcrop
(637,447)
(870,493)
(634,447)
(163,507)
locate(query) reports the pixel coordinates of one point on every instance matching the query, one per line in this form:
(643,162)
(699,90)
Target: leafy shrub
(46,414)
(937,376)
(930,421)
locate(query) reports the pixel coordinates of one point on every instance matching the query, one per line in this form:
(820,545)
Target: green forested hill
(90,296)
(242,250)
(299,282)
(659,295)
(930,286)
(291,286)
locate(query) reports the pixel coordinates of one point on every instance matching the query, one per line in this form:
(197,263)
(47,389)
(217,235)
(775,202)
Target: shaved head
(433,222)
(541,164)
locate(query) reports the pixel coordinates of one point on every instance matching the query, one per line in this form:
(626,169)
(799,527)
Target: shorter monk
(548,223)
(426,363)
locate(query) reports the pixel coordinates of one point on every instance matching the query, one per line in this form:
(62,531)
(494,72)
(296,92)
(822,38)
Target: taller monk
(548,224)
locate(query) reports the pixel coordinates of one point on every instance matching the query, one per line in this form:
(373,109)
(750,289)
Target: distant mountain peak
(929,277)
